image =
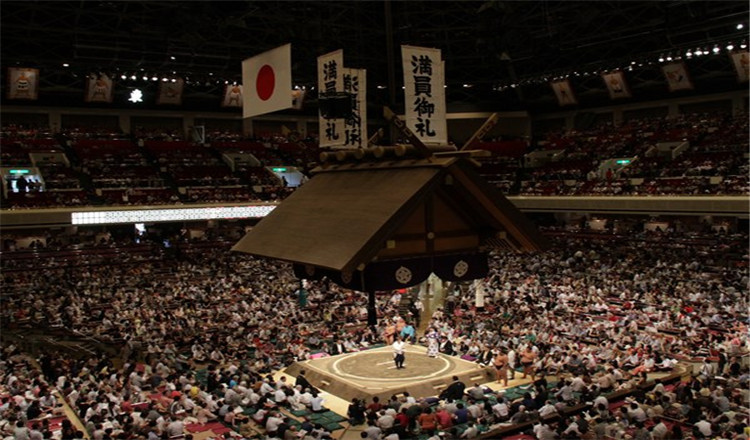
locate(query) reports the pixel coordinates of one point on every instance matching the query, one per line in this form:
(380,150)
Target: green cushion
(332,426)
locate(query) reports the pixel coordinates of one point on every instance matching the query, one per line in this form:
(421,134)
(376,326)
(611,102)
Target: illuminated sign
(169,215)
(623,161)
(136,96)
(19,171)
(278,170)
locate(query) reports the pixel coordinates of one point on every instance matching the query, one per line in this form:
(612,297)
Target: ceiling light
(123,76)
(698,52)
(730,46)
(740,26)
(669,58)
(132,77)
(174,80)
(381,87)
(716,49)
(661,58)
(172,58)
(688,53)
(743,46)
(145,78)
(66,65)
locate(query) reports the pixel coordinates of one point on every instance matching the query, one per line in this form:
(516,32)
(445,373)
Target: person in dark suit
(446,347)
(337,348)
(302,381)
(454,391)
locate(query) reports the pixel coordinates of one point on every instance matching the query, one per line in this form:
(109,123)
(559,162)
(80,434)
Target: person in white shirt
(547,410)
(543,432)
(501,411)
(316,403)
(398,352)
(470,432)
(273,422)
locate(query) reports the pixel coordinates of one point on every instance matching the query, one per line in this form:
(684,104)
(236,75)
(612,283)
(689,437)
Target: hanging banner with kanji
(564,92)
(98,88)
(355,126)
(616,85)
(424,83)
(677,77)
(330,82)
(170,92)
(741,61)
(23,83)
(232,96)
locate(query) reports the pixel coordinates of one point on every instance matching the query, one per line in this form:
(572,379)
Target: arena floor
(373,373)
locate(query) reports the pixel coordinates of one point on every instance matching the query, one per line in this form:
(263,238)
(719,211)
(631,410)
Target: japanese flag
(267,81)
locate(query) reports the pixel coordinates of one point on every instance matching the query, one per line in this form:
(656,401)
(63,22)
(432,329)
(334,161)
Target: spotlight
(730,46)
(154,78)
(688,53)
(165,79)
(698,52)
(661,58)
(716,49)
(172,58)
(669,57)
(145,78)
(123,76)
(174,80)
(740,26)
(132,77)
(743,46)
(66,65)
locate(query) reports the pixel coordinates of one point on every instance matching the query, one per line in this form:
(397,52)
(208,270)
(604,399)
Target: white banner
(741,62)
(424,82)
(170,92)
(232,96)
(564,92)
(23,83)
(677,77)
(355,127)
(616,85)
(331,80)
(298,98)
(98,89)
(267,81)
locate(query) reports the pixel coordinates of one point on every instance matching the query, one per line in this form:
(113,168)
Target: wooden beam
(408,134)
(375,137)
(483,130)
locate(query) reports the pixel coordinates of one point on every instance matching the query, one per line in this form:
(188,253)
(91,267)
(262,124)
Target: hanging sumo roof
(370,208)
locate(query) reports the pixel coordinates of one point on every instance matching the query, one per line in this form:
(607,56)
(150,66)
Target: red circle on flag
(265,82)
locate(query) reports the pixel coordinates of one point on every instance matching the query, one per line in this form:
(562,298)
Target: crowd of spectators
(716,143)
(713,163)
(201,330)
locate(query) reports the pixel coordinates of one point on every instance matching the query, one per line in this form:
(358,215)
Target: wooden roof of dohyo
(344,216)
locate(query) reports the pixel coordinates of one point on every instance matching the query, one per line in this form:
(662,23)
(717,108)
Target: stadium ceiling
(488,46)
